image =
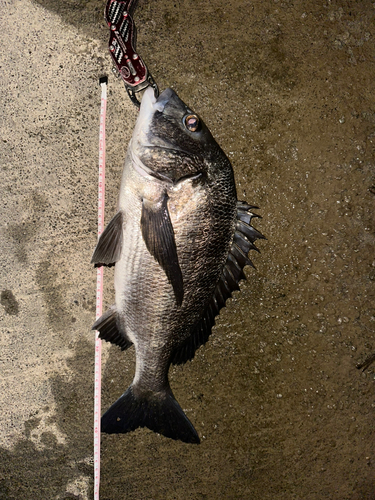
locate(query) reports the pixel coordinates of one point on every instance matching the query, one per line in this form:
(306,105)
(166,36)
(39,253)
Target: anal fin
(108,248)
(109,330)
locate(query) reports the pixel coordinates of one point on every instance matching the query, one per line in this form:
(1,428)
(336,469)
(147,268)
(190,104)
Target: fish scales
(176,260)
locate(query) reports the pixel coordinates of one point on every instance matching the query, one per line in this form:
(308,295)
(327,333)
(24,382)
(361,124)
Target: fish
(179,243)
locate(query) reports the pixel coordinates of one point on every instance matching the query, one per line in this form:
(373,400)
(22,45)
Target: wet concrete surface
(287,88)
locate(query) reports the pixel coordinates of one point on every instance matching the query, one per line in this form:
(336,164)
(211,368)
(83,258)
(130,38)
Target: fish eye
(192,122)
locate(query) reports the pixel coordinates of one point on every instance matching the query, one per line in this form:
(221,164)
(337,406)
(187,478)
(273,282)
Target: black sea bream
(179,242)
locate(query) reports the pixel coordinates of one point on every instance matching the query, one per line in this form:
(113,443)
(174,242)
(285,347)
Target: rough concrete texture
(287,88)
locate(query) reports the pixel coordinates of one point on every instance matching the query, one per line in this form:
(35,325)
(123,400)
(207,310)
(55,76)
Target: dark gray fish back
(232,274)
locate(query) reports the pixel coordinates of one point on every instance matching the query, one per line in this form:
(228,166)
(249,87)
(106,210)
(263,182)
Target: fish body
(178,255)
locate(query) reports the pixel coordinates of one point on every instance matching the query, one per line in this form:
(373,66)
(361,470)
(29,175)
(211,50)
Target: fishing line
(99,289)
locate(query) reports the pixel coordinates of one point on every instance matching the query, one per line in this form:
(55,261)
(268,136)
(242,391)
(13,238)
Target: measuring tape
(134,73)
(99,290)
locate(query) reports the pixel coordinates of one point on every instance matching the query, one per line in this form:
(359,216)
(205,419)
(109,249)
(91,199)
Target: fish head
(170,141)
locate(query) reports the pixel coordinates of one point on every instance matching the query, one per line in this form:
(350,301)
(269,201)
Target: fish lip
(153,103)
(148,99)
(163,98)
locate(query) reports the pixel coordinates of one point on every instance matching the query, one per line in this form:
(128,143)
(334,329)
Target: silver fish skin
(178,253)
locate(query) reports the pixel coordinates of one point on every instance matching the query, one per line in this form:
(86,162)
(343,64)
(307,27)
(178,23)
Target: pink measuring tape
(99,290)
(118,14)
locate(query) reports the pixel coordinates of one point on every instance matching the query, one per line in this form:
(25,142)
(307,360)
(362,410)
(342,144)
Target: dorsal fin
(232,273)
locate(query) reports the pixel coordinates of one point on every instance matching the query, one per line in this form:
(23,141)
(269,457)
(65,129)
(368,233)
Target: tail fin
(159,412)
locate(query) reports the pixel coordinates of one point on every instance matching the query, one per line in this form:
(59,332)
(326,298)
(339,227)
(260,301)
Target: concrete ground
(287,88)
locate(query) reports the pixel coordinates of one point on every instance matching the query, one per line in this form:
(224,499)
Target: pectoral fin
(108,249)
(158,234)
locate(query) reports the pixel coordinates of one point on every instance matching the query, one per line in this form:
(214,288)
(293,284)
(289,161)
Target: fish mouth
(164,98)
(152,103)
